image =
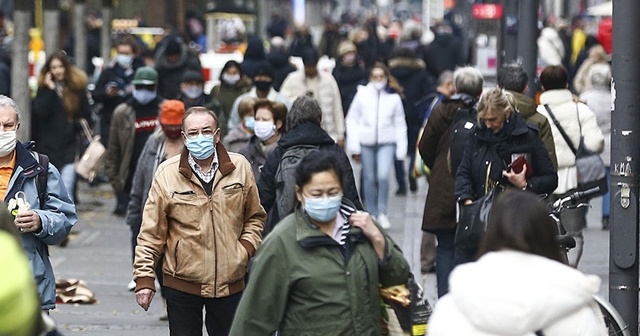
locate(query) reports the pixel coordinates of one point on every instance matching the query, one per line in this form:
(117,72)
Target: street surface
(100,254)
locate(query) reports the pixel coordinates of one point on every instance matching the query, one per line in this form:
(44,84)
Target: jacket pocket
(237,260)
(187,208)
(231,207)
(188,260)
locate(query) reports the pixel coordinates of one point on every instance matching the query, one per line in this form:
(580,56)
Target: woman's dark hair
(554,77)
(277,111)
(230,64)
(520,222)
(317,162)
(74,83)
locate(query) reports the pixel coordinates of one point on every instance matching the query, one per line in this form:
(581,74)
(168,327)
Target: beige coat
(325,89)
(207,240)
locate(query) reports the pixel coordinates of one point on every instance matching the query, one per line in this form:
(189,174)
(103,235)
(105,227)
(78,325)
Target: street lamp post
(20,65)
(527,37)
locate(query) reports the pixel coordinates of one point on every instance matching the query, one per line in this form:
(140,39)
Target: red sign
(486,11)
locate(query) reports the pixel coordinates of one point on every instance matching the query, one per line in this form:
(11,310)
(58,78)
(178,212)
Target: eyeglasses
(207,133)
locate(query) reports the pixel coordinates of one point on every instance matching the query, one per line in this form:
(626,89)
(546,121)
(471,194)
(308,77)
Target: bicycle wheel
(612,319)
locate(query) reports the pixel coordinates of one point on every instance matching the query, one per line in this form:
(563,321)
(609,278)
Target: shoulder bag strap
(562,132)
(85,128)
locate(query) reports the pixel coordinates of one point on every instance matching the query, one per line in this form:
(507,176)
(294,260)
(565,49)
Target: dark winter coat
(348,79)
(440,206)
(253,56)
(226,94)
(416,83)
(54,135)
(444,53)
(279,59)
(256,155)
(487,156)
(304,134)
(170,74)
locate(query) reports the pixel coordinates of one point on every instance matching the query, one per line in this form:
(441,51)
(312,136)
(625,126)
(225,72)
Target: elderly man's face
(200,123)
(8,119)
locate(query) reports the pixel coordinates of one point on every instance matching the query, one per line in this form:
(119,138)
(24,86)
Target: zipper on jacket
(215,248)
(377,120)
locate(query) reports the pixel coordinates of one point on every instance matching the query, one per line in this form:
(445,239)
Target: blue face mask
(201,147)
(144,96)
(250,123)
(124,61)
(322,209)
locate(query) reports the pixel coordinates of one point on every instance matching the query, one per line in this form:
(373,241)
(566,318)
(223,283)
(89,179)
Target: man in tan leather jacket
(204,212)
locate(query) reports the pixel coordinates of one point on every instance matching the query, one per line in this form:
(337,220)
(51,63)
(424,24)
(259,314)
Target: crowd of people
(202,178)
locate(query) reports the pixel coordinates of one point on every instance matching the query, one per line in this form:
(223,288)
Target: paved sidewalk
(100,254)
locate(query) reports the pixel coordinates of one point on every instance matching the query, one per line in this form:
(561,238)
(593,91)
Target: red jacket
(605,34)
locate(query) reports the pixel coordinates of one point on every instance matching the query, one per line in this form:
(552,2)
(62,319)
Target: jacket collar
(556,97)
(26,161)
(309,235)
(226,166)
(516,125)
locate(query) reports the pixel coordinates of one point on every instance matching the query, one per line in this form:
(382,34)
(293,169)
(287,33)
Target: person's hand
(356,157)
(144,298)
(48,81)
(467,202)
(363,221)
(28,221)
(517,179)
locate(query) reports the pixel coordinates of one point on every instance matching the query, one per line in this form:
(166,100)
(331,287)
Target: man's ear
(278,125)
(216,138)
(17,126)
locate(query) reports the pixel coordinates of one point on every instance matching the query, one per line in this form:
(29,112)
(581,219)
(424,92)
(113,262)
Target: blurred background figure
(278,56)
(239,137)
(349,73)
(173,59)
(59,105)
(233,83)
(253,56)
(598,98)
(269,127)
(192,92)
(377,139)
(114,84)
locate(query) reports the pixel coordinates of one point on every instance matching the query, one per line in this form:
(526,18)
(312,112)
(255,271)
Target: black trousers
(185,313)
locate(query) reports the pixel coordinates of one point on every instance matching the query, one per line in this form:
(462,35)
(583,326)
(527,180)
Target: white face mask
(124,61)
(193,92)
(231,79)
(7,142)
(264,129)
(379,85)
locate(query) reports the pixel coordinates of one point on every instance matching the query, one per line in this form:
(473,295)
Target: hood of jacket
(255,50)
(405,67)
(515,293)
(305,134)
(161,59)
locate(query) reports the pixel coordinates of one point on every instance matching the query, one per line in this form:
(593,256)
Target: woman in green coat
(319,272)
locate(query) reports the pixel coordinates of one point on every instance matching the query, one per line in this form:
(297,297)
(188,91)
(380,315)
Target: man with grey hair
(514,78)
(440,207)
(39,225)
(303,129)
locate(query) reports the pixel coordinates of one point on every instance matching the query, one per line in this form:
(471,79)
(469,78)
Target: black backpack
(285,177)
(463,126)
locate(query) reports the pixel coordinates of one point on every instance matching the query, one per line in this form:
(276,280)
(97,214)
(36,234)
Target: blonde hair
(498,101)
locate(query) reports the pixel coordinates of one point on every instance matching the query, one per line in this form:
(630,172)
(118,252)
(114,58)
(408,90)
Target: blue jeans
(68,176)
(444,258)
(606,201)
(377,161)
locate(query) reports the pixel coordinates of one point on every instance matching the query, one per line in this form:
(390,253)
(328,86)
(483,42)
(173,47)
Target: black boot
(605,222)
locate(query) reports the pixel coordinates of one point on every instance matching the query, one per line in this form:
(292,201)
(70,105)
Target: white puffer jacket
(571,116)
(511,293)
(376,117)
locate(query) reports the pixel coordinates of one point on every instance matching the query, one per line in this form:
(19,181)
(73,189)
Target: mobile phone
(518,164)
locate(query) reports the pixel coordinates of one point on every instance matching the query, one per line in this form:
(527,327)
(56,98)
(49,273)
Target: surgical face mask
(201,147)
(124,61)
(7,142)
(262,85)
(231,79)
(264,130)
(144,96)
(379,85)
(193,91)
(250,123)
(322,209)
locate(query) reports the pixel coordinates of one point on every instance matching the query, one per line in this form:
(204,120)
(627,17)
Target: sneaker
(131,286)
(384,221)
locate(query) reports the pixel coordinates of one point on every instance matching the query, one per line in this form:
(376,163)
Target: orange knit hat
(172,112)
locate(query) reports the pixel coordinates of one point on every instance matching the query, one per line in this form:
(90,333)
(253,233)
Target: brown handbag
(89,162)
